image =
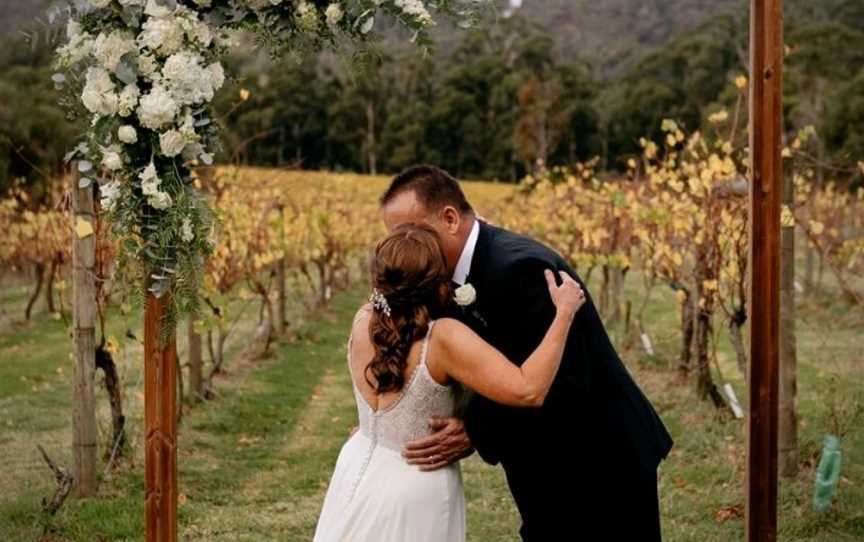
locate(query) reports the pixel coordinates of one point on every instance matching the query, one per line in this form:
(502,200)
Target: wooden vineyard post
(160,423)
(84,336)
(766,87)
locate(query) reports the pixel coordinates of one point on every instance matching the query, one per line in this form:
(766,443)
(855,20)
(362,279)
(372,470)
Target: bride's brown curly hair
(409,269)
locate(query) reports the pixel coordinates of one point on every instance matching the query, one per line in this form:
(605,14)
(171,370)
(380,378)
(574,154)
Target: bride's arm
(465,357)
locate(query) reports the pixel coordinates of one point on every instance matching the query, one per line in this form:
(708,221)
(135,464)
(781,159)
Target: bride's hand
(568,297)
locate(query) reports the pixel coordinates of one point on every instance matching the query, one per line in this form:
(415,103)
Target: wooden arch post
(160,425)
(766,113)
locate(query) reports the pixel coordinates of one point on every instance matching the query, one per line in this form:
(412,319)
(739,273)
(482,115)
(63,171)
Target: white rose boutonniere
(465,295)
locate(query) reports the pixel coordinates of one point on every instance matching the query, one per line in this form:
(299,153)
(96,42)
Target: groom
(584,465)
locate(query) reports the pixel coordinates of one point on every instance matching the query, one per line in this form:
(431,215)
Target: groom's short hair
(434,187)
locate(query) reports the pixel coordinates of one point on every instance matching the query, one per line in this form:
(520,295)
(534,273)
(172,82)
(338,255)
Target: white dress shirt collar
(463,266)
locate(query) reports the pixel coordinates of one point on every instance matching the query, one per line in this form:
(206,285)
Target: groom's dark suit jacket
(595,413)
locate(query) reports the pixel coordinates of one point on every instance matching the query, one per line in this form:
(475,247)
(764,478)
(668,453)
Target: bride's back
(396,417)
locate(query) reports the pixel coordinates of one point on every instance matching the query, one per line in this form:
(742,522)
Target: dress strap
(425,350)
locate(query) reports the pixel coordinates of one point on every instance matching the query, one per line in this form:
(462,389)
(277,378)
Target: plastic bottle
(827,474)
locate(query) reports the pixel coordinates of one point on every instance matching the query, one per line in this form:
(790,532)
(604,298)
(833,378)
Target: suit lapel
(477,278)
(481,255)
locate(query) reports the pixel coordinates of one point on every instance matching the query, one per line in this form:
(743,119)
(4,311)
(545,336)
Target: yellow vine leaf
(83,228)
(787,219)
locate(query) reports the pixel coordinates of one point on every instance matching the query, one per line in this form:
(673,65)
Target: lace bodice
(407,417)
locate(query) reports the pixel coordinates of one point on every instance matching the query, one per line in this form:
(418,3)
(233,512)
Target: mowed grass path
(254,463)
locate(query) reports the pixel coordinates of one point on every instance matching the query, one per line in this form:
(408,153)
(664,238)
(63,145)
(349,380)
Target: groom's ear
(451,218)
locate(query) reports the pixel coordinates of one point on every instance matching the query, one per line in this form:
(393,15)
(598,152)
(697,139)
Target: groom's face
(406,208)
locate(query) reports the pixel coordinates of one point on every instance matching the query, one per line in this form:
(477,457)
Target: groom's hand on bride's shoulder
(449,443)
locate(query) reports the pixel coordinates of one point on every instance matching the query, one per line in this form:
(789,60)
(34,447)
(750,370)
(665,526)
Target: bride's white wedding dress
(375,495)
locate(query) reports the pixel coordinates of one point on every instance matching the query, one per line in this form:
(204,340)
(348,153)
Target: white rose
(127,134)
(112,160)
(110,48)
(334,14)
(148,175)
(160,200)
(157,108)
(110,193)
(150,182)
(465,295)
(128,100)
(186,232)
(172,143)
(99,95)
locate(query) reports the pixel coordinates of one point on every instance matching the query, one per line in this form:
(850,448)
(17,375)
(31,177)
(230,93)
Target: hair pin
(379,302)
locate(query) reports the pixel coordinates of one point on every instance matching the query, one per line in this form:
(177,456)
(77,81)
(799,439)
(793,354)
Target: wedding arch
(146,72)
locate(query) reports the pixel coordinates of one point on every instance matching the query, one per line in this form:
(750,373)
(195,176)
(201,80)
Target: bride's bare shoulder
(361,318)
(450,329)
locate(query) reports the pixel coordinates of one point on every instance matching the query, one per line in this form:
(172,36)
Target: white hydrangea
(78,47)
(157,108)
(147,66)
(189,81)
(100,3)
(172,143)
(217,75)
(110,48)
(334,14)
(110,193)
(193,151)
(156,9)
(128,99)
(132,2)
(111,160)
(416,9)
(195,30)
(258,5)
(161,35)
(307,16)
(127,134)
(150,183)
(186,232)
(187,126)
(99,95)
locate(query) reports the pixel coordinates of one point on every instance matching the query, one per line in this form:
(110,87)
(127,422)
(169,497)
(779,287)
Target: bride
(404,373)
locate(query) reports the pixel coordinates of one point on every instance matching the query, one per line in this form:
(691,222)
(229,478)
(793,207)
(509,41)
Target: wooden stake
(84,337)
(766,85)
(160,422)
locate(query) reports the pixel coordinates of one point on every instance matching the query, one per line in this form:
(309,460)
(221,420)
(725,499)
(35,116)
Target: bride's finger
(550,280)
(566,278)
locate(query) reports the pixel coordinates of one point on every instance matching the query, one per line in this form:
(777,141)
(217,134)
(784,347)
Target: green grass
(255,462)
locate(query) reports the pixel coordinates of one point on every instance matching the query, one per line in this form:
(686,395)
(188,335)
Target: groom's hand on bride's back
(449,443)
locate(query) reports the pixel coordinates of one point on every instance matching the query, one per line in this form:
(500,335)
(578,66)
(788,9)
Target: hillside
(613,34)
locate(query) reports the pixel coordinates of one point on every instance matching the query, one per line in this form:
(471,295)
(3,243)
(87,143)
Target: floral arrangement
(146,71)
